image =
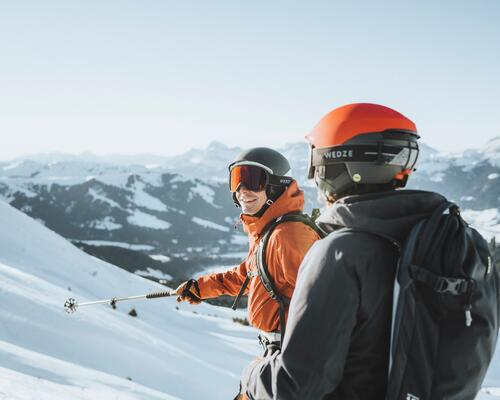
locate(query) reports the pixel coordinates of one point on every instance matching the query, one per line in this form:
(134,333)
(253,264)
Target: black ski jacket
(337,339)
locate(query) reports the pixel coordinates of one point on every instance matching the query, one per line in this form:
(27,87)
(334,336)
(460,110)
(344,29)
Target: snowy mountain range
(122,209)
(170,217)
(470,178)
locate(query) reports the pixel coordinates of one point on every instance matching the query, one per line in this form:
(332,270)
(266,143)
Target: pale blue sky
(144,76)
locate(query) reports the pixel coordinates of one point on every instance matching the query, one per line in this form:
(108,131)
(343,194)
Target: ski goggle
(254,178)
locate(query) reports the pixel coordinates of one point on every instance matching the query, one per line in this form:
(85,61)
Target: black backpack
(262,270)
(446,320)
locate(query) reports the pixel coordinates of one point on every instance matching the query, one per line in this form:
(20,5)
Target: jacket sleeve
(321,320)
(228,282)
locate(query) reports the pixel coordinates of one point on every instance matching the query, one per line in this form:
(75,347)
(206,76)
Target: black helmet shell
(272,160)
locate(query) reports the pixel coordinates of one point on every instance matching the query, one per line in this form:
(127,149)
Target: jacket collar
(292,199)
(392,213)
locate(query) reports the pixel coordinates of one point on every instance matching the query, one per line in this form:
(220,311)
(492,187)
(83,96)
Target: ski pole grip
(160,294)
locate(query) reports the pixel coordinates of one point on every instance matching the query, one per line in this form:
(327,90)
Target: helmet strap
(235,200)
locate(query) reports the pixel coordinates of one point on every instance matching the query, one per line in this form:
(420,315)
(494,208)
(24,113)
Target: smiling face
(250,202)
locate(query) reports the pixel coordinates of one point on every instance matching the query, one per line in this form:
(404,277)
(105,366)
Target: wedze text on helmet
(339,154)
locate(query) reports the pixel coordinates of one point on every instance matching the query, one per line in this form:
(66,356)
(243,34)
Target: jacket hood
(292,199)
(392,213)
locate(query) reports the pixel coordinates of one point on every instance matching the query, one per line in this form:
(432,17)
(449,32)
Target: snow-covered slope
(166,352)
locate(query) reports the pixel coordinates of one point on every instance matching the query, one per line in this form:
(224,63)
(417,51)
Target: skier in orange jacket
(261,188)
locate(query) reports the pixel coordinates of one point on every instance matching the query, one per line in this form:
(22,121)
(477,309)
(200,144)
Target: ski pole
(71,304)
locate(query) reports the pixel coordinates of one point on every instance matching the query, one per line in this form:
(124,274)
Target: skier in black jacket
(337,343)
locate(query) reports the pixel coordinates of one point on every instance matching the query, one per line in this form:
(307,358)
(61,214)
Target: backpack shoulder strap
(295,216)
(261,251)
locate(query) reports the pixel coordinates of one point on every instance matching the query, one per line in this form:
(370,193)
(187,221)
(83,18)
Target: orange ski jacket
(287,246)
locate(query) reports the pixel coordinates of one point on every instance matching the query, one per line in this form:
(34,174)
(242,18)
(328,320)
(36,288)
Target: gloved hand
(189,291)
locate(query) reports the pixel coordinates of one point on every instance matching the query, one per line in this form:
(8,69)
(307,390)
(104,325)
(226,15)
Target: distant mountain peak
(427,148)
(493,145)
(216,145)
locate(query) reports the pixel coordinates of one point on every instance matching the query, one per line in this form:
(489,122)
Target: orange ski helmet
(362,147)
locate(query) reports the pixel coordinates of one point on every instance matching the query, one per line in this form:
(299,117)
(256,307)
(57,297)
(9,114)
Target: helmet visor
(252,177)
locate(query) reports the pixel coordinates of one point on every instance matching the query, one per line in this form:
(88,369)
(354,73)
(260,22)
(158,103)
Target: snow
(240,254)
(12,166)
(119,179)
(167,351)
(98,194)
(489,393)
(160,257)
(26,209)
(493,176)
(152,178)
(78,169)
(239,239)
(143,199)
(21,168)
(105,224)
(144,247)
(205,192)
(437,177)
(433,163)
(179,178)
(213,270)
(68,172)
(209,224)
(13,188)
(155,273)
(145,220)
(152,166)
(22,380)
(487,222)
(493,145)
(492,151)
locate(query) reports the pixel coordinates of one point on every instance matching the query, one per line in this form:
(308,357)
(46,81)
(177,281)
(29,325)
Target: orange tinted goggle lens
(252,177)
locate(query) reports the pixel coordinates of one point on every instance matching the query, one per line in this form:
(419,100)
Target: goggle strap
(279,180)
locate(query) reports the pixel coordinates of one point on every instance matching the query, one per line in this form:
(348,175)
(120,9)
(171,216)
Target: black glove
(189,291)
